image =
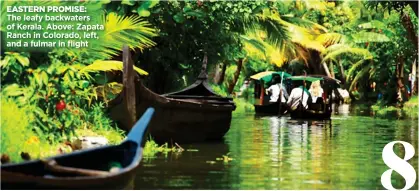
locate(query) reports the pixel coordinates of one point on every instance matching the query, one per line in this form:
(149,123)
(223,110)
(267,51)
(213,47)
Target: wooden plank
(54,167)
(198,97)
(129,88)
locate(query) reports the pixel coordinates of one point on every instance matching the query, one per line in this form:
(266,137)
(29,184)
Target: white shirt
(295,98)
(314,98)
(275,91)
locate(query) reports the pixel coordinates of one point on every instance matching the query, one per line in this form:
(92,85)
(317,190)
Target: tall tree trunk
(408,25)
(220,74)
(342,72)
(236,76)
(217,74)
(399,76)
(315,65)
(411,35)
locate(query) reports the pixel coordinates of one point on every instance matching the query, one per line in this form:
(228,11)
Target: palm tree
(312,43)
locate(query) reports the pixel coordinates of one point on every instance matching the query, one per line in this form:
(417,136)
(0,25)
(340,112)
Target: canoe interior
(199,88)
(94,162)
(32,174)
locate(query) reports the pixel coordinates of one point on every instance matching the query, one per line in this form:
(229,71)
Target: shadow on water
(271,152)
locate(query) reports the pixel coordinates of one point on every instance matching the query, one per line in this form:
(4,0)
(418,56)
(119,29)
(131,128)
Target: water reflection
(280,153)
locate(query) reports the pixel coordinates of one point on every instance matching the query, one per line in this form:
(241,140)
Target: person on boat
(316,91)
(275,90)
(299,95)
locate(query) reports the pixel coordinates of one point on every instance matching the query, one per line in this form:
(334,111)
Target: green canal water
(269,152)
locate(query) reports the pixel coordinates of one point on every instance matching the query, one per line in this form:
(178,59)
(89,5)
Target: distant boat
(85,169)
(262,80)
(194,114)
(321,109)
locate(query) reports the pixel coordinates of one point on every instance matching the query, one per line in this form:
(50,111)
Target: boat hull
(179,120)
(271,108)
(107,167)
(189,125)
(14,181)
(310,114)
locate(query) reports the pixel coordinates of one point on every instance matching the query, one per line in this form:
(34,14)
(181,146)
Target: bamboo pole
(326,69)
(129,88)
(280,94)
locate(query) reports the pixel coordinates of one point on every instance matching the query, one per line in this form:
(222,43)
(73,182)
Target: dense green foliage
(64,91)
(371,47)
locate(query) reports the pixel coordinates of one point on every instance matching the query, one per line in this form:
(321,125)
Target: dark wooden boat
(86,169)
(194,114)
(320,110)
(310,113)
(271,108)
(264,107)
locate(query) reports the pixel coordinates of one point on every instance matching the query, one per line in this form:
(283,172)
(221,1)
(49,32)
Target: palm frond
(353,68)
(328,39)
(120,31)
(109,65)
(359,75)
(336,50)
(304,23)
(303,36)
(272,24)
(256,43)
(374,24)
(107,90)
(363,37)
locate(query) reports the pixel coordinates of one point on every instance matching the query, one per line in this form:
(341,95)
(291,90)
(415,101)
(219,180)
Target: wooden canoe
(271,108)
(86,169)
(320,111)
(194,114)
(311,113)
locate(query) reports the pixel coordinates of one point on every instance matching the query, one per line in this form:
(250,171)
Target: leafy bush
(96,122)
(15,122)
(409,110)
(243,106)
(220,90)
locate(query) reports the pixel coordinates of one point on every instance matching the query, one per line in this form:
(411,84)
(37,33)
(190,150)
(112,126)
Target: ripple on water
(280,153)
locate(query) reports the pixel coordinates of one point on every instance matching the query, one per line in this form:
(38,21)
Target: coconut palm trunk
(233,82)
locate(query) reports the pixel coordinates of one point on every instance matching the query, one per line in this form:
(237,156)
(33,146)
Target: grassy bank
(243,106)
(20,134)
(409,110)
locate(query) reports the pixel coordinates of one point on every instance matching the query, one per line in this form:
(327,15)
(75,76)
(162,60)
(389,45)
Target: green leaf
(13,90)
(198,14)
(38,79)
(105,1)
(110,65)
(127,2)
(84,84)
(5,61)
(44,77)
(363,37)
(24,61)
(144,13)
(179,18)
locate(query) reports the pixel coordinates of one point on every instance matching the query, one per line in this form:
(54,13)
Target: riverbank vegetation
(371,47)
